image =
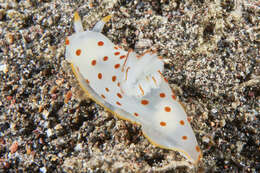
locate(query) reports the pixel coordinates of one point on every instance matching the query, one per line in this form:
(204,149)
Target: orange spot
(113,78)
(103,96)
(99,75)
(160,57)
(94,62)
(117,66)
(173,97)
(118,103)
(107,89)
(167,109)
(100,43)
(182,122)
(184,137)
(144,102)
(162,123)
(67,42)
(136,114)
(165,80)
(119,95)
(87,81)
(162,95)
(118,84)
(115,47)
(189,119)
(78,52)
(122,56)
(197,148)
(105,58)
(117,53)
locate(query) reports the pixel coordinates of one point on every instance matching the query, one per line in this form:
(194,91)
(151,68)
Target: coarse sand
(211,53)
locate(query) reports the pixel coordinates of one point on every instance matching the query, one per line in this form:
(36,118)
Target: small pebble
(43,170)
(14,147)
(49,132)
(143,43)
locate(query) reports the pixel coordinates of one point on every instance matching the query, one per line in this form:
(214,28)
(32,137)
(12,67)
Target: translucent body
(131,87)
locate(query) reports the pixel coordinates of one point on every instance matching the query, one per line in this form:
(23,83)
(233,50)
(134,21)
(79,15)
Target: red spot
(119,95)
(67,42)
(107,89)
(103,96)
(144,102)
(162,95)
(105,58)
(184,137)
(162,123)
(115,47)
(167,109)
(113,78)
(87,81)
(136,114)
(94,62)
(182,122)
(99,75)
(100,43)
(117,66)
(117,53)
(122,56)
(118,103)
(197,148)
(78,52)
(165,80)
(173,97)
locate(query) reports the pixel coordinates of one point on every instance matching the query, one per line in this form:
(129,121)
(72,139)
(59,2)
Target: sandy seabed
(211,53)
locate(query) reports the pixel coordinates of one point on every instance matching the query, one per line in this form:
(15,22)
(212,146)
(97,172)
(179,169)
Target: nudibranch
(132,87)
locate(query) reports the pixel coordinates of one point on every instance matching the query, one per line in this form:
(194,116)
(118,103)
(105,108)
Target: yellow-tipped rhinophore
(107,18)
(77,23)
(76,16)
